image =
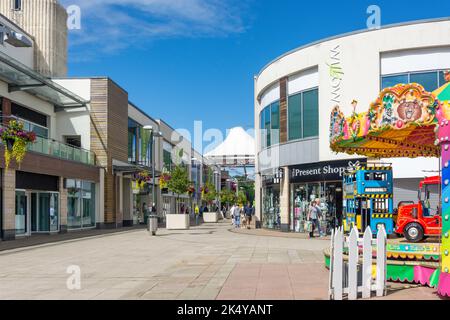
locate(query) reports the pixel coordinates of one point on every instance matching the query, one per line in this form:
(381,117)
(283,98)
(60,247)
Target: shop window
(390,81)
(303,115)
(295,117)
(262,129)
(275,123)
(80,204)
(441,79)
(267,126)
(269,120)
(429,80)
(310,114)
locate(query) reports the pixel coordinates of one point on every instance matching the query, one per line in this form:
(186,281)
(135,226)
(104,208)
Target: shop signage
(323,171)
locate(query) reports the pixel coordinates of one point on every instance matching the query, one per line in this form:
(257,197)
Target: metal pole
(153,169)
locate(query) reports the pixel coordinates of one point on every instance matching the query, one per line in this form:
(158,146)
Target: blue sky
(187,60)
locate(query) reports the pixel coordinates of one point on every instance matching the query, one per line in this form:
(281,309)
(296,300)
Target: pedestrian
(319,215)
(312,217)
(145,212)
(248,210)
(197,214)
(237,217)
(233,207)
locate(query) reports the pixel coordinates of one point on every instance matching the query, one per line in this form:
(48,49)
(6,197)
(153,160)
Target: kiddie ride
(420,220)
(404,121)
(368,198)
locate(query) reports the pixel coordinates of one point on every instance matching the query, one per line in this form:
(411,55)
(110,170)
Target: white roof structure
(238,149)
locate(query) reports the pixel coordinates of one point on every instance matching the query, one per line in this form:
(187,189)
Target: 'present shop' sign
(323,171)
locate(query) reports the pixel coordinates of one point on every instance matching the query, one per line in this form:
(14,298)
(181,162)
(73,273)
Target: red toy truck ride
(423,219)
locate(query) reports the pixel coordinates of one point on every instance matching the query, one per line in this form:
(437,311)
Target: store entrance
(36,212)
(330,195)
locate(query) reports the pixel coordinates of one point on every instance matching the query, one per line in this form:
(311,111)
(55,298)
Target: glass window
(80,204)
(17,5)
(21,213)
(295,117)
(132,144)
(263,135)
(275,123)
(390,81)
(441,79)
(429,80)
(311,113)
(267,125)
(88,194)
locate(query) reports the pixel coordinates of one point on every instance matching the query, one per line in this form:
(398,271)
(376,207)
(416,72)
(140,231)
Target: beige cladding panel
(46,21)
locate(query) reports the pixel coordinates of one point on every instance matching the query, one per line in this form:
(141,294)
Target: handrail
(61,150)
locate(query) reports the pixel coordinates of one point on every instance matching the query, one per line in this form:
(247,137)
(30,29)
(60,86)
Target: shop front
(37,204)
(323,181)
(271,218)
(81,204)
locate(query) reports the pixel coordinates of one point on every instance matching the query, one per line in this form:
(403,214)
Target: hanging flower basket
(142,178)
(15,139)
(191,190)
(164,180)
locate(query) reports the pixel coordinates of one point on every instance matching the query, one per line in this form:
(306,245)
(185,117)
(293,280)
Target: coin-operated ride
(368,198)
(406,121)
(417,221)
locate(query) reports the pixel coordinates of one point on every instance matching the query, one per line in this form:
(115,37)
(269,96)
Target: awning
(400,123)
(21,78)
(129,168)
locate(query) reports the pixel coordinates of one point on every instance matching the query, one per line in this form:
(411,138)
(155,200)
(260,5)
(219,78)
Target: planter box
(177,221)
(210,217)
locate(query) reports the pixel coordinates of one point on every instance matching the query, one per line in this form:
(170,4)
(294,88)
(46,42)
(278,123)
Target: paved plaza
(206,262)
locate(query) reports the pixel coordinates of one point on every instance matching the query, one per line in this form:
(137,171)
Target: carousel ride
(407,121)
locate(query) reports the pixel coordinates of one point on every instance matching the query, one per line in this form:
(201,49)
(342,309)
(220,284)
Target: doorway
(36,212)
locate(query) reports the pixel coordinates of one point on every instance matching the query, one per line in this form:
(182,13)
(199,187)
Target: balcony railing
(62,151)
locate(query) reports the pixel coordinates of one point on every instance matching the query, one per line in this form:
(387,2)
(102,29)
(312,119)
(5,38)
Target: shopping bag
(308,226)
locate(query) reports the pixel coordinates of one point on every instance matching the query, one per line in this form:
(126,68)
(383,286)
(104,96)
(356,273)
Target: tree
(227,196)
(209,193)
(179,182)
(242,198)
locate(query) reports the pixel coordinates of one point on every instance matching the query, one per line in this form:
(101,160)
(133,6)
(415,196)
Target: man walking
(237,217)
(248,210)
(197,214)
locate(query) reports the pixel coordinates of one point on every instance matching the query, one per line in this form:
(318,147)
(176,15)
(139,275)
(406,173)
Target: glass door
(21,213)
(44,211)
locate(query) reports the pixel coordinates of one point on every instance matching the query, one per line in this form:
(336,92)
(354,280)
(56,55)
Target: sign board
(323,171)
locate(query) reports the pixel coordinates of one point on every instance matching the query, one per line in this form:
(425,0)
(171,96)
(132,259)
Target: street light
(154,135)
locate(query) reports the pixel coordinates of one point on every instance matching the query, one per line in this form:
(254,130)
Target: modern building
(294,96)
(46,21)
(57,187)
(91,140)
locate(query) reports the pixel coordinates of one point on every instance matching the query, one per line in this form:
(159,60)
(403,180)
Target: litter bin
(152,225)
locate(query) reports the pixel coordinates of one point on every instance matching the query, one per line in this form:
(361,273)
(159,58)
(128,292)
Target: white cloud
(112,25)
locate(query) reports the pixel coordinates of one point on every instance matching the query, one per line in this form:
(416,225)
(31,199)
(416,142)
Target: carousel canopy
(402,122)
(238,149)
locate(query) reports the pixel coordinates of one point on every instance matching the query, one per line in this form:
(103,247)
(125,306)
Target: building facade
(46,21)
(294,96)
(57,186)
(91,142)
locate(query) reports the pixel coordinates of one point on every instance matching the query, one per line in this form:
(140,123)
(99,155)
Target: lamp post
(153,136)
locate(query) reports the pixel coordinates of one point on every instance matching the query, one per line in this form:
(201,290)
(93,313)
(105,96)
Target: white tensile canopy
(238,149)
